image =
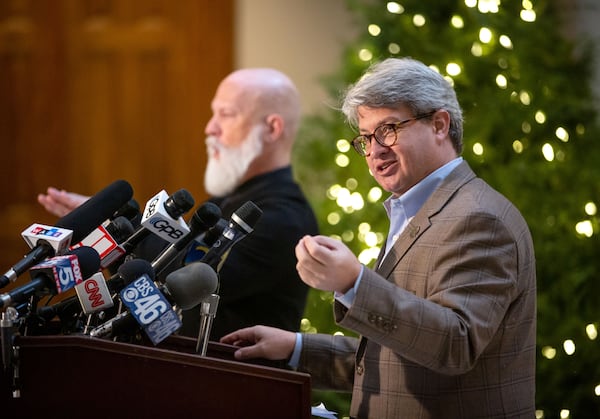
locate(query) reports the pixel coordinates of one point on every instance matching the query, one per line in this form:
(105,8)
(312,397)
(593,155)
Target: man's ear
(441,122)
(275,127)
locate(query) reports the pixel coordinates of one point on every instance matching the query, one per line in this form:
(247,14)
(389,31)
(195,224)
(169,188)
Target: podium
(82,377)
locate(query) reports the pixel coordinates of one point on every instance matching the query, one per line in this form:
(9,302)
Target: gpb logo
(152,207)
(163,226)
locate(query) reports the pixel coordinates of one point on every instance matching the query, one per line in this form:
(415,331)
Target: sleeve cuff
(295,358)
(348,299)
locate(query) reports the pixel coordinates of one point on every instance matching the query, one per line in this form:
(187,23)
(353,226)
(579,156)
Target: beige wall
(303,39)
(581,21)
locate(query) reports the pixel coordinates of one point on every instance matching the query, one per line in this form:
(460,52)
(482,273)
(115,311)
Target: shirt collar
(413,199)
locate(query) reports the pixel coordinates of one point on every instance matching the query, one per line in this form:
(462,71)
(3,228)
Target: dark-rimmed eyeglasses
(384,134)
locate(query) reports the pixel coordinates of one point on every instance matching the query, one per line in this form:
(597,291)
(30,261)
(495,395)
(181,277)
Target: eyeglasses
(385,134)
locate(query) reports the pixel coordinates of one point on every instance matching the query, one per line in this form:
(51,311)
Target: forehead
(369,117)
(233,96)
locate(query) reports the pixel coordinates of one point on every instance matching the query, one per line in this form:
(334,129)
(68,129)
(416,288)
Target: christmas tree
(530,131)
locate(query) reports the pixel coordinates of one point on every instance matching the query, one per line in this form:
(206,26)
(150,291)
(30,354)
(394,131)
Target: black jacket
(258,282)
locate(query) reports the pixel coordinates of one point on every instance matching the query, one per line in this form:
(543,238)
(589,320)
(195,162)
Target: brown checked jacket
(447,321)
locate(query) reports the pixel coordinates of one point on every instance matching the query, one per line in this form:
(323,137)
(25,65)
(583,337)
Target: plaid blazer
(448,319)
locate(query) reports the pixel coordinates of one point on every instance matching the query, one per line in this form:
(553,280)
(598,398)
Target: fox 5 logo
(68,273)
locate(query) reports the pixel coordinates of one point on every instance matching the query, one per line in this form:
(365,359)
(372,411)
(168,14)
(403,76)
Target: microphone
(189,285)
(184,288)
(177,204)
(55,275)
(129,210)
(206,216)
(120,228)
(89,299)
(97,296)
(81,221)
(241,224)
(93,294)
(205,241)
(93,212)
(44,235)
(162,215)
(129,272)
(106,239)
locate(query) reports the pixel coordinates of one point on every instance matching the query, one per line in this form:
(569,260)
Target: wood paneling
(97,90)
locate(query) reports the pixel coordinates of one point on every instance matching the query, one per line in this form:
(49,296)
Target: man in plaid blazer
(447,318)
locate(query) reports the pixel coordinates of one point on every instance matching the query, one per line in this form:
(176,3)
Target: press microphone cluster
(48,241)
(150,307)
(96,296)
(55,275)
(99,234)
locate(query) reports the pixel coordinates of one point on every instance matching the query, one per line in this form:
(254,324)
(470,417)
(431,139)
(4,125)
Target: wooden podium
(78,376)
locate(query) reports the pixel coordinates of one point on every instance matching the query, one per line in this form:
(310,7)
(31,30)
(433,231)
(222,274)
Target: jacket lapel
(421,221)
(417,226)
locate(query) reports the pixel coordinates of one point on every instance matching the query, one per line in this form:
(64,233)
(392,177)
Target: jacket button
(360,369)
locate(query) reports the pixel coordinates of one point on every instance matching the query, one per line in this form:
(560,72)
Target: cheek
(232,134)
(370,165)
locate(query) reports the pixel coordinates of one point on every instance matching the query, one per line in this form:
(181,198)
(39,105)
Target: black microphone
(204,241)
(185,288)
(129,272)
(206,216)
(93,212)
(175,206)
(55,275)
(241,224)
(120,228)
(81,221)
(129,210)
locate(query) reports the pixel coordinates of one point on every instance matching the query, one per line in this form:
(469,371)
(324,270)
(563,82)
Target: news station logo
(150,309)
(58,238)
(48,232)
(65,271)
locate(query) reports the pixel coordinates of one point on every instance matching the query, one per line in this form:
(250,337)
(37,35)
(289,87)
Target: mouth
(385,167)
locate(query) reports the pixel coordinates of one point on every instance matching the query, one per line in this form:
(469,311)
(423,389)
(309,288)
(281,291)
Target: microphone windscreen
(206,216)
(130,210)
(134,268)
(120,229)
(213,233)
(89,260)
(191,284)
(179,203)
(247,215)
(88,216)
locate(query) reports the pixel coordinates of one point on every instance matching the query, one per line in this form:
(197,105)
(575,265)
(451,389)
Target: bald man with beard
(249,140)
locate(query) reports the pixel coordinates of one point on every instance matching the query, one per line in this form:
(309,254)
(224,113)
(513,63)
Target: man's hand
(60,202)
(326,264)
(261,342)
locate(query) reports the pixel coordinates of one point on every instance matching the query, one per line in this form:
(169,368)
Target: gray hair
(407,82)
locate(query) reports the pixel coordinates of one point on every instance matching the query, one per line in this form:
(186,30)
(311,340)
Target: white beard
(224,174)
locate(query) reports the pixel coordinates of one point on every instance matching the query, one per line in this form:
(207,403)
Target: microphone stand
(10,358)
(208,310)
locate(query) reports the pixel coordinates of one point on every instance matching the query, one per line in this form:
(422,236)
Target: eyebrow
(386,120)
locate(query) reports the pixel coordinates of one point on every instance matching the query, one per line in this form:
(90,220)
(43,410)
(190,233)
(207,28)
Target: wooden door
(97,90)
